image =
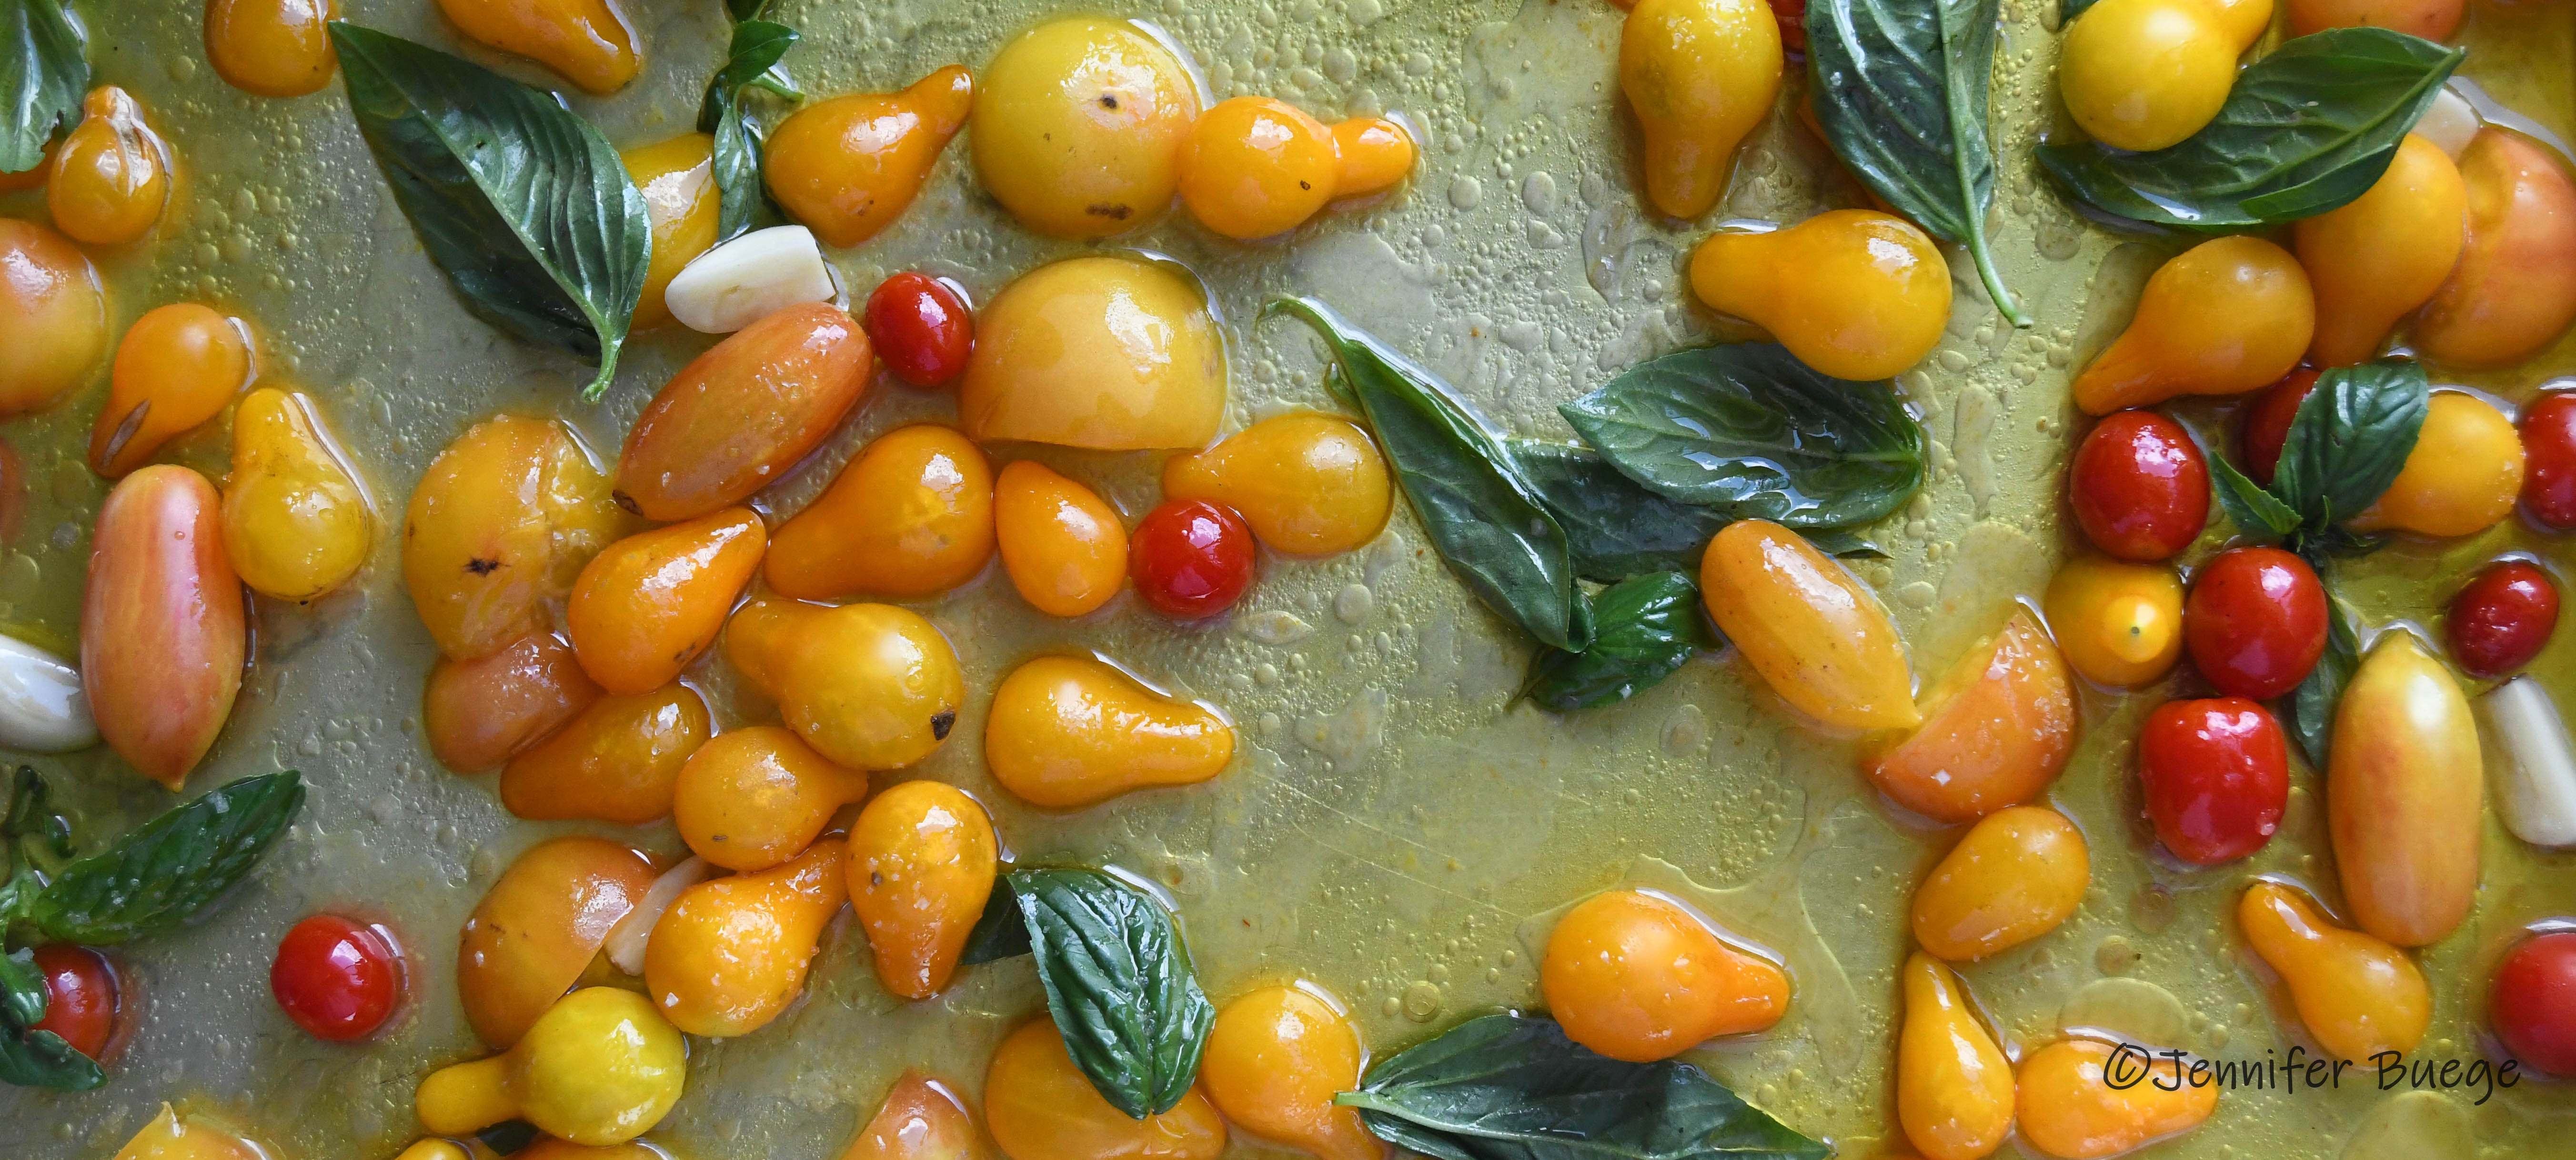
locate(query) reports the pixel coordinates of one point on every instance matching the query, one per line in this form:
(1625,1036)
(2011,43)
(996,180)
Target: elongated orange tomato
(1818,637)
(480,713)
(162,630)
(647,605)
(2404,795)
(538,928)
(922,861)
(735,419)
(618,761)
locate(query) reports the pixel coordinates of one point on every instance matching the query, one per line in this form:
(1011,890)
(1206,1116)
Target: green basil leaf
(170,868)
(2312,704)
(1647,627)
(2305,130)
(1900,90)
(1511,1087)
(742,10)
(1752,432)
(999,933)
(36,833)
(1486,519)
(44,73)
(1615,528)
(30,1058)
(1119,984)
(2350,438)
(1842,544)
(2256,511)
(526,208)
(752,58)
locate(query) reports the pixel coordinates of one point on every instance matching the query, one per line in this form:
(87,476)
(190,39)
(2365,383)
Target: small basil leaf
(1900,91)
(164,872)
(1752,432)
(739,192)
(752,58)
(2350,438)
(2256,511)
(758,46)
(31,1058)
(1488,521)
(1510,1087)
(44,73)
(999,933)
(1647,627)
(2312,704)
(2304,130)
(1615,528)
(1119,985)
(746,9)
(37,833)
(524,206)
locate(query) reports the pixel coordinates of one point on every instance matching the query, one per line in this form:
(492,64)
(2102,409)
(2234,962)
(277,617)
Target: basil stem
(169,869)
(1646,629)
(44,74)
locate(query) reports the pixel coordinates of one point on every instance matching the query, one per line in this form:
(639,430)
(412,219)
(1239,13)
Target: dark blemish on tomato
(1109,101)
(482,567)
(1116,213)
(941,722)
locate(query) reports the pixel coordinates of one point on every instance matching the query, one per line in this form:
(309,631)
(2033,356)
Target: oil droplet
(2115,955)
(1466,193)
(1421,1001)
(1353,603)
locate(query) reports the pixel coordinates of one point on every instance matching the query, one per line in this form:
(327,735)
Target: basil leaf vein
(44,74)
(1511,1087)
(1646,629)
(1901,92)
(524,206)
(32,1058)
(2304,130)
(1486,519)
(2350,438)
(166,871)
(1118,984)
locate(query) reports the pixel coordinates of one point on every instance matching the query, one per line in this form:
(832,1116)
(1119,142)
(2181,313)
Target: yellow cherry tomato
(171,1137)
(618,761)
(731,953)
(2077,1101)
(295,521)
(1996,730)
(1252,167)
(2463,476)
(2224,317)
(500,524)
(1275,1059)
(2145,74)
(847,167)
(2372,262)
(2119,623)
(2014,877)
(1819,638)
(1067,732)
(1079,129)
(755,797)
(176,368)
(111,176)
(647,605)
(677,178)
(598,1068)
(53,316)
(922,861)
(2514,290)
(1039,1106)
(482,712)
(1062,544)
(869,686)
(589,41)
(2357,995)
(1635,976)
(911,516)
(1307,483)
(538,928)
(1700,75)
(1112,353)
(272,48)
(1373,154)
(1954,1088)
(2404,818)
(1855,293)
(921,1119)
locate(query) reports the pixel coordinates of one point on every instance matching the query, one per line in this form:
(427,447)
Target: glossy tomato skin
(2216,775)
(2139,486)
(80,996)
(2502,618)
(2549,459)
(1191,558)
(921,328)
(2255,622)
(2267,423)
(337,979)
(2533,1005)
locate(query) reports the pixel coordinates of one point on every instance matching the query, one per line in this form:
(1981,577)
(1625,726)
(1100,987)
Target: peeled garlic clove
(2537,794)
(627,939)
(43,708)
(2449,122)
(744,280)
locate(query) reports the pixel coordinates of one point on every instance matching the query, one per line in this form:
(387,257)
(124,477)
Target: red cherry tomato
(2533,1005)
(2217,775)
(2267,422)
(2549,459)
(2255,622)
(921,328)
(2139,486)
(337,979)
(2500,620)
(1191,558)
(80,996)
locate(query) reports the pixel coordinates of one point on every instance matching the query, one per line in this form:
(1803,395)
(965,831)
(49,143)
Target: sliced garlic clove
(627,940)
(43,708)
(744,280)
(2449,122)
(2537,794)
